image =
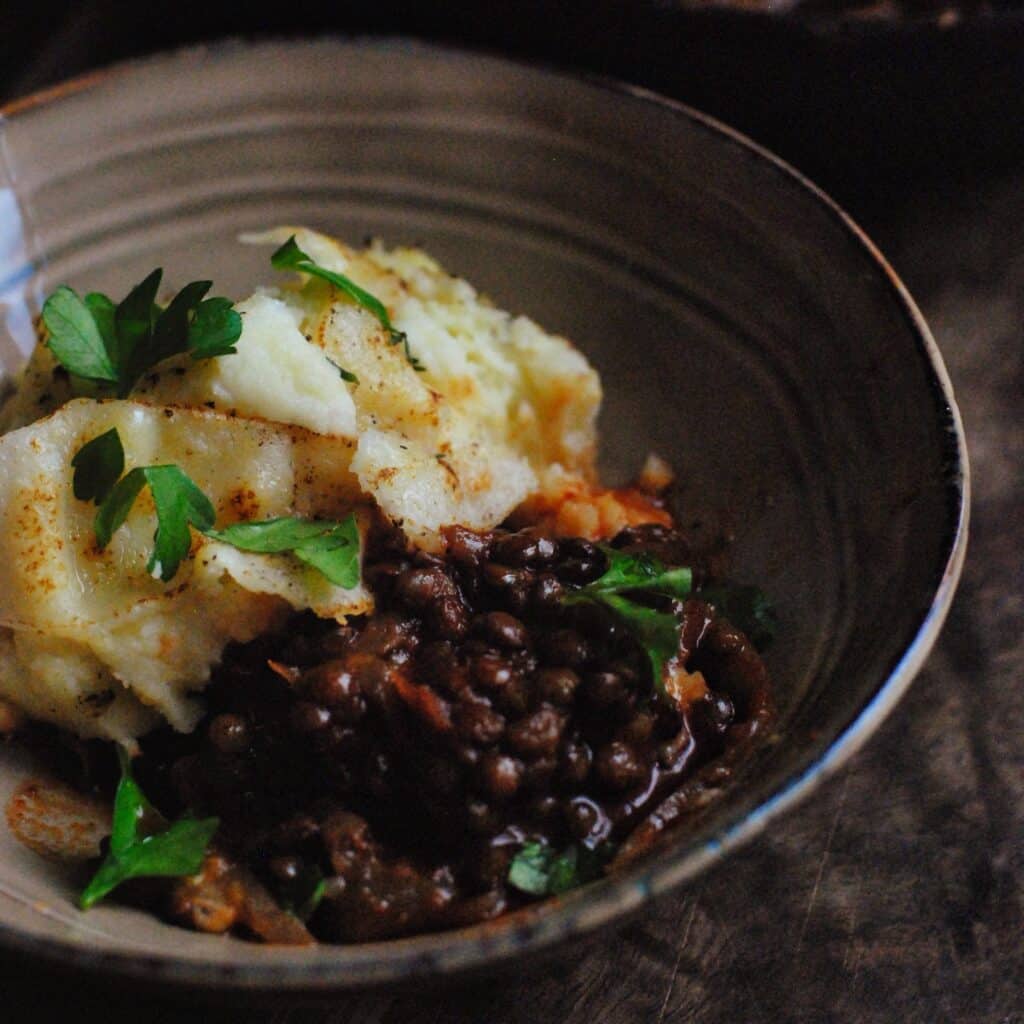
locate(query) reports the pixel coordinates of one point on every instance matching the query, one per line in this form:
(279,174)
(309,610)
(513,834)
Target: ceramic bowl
(744,328)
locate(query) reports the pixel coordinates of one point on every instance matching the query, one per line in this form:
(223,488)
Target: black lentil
(408,755)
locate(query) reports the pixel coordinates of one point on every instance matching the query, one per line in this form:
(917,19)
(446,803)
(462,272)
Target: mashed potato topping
(465,426)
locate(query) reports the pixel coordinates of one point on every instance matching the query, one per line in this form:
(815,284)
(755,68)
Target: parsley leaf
(134,320)
(169,331)
(539,870)
(745,607)
(179,503)
(115,345)
(530,869)
(330,547)
(272,536)
(170,853)
(627,572)
(655,630)
(214,329)
(336,554)
(76,340)
(205,328)
(115,507)
(104,313)
(290,257)
(98,466)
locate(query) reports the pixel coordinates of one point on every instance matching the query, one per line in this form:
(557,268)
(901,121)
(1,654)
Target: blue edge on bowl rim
(453,952)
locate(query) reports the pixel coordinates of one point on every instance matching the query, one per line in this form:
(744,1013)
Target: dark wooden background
(893,894)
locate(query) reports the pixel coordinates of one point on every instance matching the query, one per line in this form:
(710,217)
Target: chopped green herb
(179,503)
(104,313)
(134,323)
(539,870)
(214,330)
(273,536)
(330,547)
(345,375)
(115,507)
(115,345)
(627,572)
(530,869)
(75,338)
(166,333)
(745,607)
(169,852)
(335,555)
(290,257)
(655,630)
(98,466)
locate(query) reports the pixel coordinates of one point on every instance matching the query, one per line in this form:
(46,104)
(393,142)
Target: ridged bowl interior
(743,328)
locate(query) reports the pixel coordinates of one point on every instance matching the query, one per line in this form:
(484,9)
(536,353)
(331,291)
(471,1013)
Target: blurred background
(894,893)
(863,95)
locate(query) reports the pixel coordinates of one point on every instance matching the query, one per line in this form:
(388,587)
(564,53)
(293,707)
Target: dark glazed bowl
(743,326)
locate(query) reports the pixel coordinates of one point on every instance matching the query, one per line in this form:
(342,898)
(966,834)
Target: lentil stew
(384,777)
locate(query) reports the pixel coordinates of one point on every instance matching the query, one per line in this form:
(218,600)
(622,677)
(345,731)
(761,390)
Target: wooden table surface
(894,893)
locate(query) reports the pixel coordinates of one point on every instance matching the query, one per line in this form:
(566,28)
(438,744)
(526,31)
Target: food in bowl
(328,580)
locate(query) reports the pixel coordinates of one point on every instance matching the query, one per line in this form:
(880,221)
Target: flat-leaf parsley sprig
(290,257)
(179,504)
(330,547)
(142,845)
(98,466)
(628,577)
(115,344)
(540,870)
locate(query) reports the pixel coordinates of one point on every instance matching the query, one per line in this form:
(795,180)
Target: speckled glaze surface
(744,329)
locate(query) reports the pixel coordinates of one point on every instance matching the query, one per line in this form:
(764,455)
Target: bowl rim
(489,945)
